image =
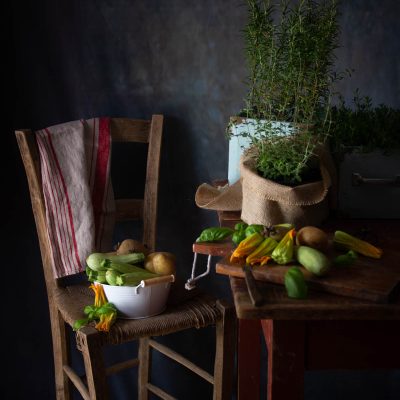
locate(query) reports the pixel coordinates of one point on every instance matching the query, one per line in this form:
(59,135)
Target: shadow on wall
(180,220)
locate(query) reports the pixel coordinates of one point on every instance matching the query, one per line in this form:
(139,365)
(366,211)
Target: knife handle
(255,295)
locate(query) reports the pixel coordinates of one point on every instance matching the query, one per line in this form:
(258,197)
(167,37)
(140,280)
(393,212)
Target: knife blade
(256,297)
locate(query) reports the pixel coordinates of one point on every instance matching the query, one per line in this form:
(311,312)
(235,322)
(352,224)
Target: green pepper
(238,236)
(214,234)
(254,228)
(240,226)
(239,233)
(345,260)
(295,284)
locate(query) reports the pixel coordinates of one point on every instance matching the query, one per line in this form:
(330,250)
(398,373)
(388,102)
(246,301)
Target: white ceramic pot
(134,302)
(242,131)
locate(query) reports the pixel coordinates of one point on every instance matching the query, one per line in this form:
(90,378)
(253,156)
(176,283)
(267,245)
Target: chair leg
(225,353)
(94,363)
(60,353)
(144,367)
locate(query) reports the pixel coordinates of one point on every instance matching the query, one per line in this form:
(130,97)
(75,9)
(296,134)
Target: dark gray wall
(184,59)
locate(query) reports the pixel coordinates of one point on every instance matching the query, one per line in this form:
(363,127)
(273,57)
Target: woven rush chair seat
(196,312)
(185,310)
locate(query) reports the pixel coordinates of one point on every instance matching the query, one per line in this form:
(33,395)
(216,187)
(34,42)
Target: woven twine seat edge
(198,311)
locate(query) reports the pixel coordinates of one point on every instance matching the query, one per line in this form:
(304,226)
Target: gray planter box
(369,185)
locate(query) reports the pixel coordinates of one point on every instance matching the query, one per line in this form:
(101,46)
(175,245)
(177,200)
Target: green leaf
(214,234)
(107,308)
(79,323)
(90,310)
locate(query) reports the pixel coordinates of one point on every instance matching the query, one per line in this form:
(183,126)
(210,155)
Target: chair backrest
(145,209)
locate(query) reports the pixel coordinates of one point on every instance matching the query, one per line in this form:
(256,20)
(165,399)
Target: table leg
(285,346)
(249,359)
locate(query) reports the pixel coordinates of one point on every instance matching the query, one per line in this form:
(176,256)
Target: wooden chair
(66,302)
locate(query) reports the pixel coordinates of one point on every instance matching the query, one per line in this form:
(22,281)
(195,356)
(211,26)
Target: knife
(256,297)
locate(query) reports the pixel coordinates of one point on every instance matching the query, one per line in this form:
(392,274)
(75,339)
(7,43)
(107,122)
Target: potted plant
(290,53)
(365,141)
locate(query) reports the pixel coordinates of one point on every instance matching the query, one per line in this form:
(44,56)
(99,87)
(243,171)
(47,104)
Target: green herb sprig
(363,125)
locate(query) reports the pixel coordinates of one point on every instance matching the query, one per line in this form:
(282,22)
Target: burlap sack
(225,198)
(267,202)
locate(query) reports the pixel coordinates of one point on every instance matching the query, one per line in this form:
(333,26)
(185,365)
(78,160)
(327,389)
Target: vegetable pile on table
(282,244)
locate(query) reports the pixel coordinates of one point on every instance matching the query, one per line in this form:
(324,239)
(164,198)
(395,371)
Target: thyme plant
(290,54)
(363,125)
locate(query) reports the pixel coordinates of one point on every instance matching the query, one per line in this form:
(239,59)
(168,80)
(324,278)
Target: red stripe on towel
(67,198)
(100,179)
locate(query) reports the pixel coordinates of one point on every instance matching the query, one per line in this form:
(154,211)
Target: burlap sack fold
(267,202)
(226,198)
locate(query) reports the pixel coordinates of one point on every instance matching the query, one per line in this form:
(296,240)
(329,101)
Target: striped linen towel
(80,209)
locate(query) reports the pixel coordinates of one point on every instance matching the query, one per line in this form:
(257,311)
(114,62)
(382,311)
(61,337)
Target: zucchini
(313,260)
(101,261)
(131,258)
(96,261)
(91,275)
(101,277)
(134,278)
(124,268)
(112,277)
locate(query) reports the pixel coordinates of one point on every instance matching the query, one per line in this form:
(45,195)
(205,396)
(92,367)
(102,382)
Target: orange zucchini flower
(246,246)
(106,320)
(99,296)
(263,252)
(357,245)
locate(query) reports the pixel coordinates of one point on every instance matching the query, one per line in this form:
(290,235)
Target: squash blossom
(357,245)
(246,246)
(263,252)
(99,295)
(106,320)
(104,311)
(283,252)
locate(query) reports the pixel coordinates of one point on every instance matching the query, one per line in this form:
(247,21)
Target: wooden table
(324,331)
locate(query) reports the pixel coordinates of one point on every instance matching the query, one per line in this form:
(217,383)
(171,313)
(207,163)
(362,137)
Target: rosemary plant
(290,53)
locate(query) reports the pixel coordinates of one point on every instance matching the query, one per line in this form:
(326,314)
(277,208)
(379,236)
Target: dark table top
(317,306)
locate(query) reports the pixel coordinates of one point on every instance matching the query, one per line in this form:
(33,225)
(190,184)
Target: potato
(148,263)
(131,246)
(312,237)
(161,262)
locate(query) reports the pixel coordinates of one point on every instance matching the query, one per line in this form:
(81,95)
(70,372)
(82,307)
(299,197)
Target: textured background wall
(184,59)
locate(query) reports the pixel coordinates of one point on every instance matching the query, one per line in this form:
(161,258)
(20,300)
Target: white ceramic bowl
(134,302)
